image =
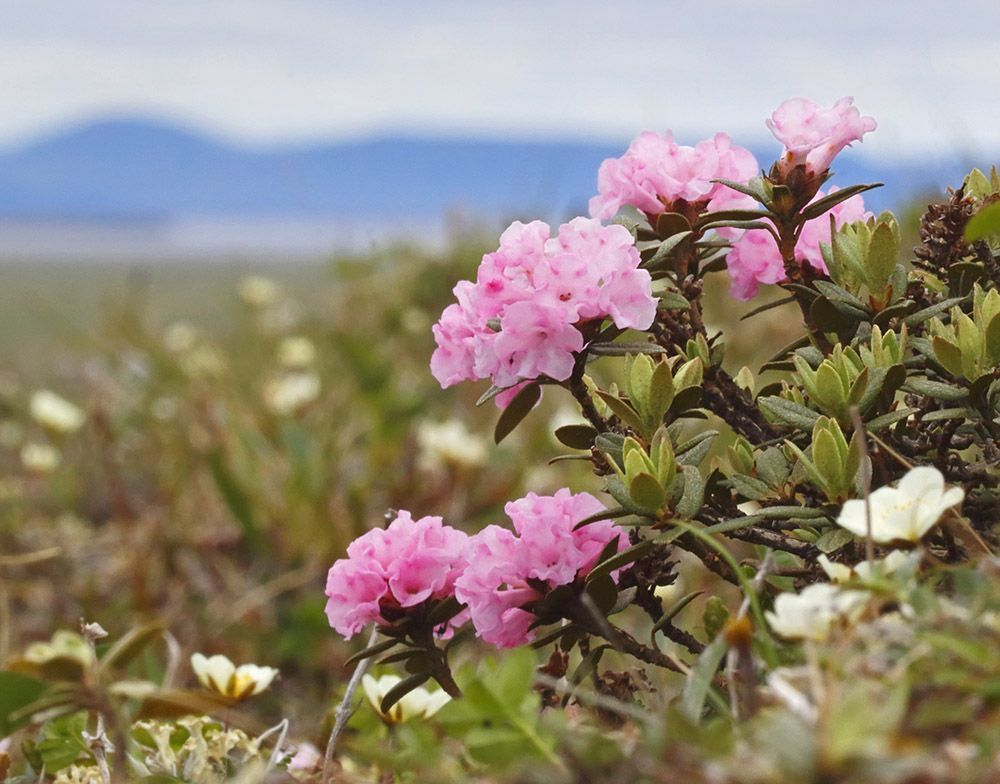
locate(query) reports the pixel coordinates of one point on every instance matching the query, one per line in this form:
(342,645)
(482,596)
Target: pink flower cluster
(508,572)
(655,172)
(813,135)
(755,258)
(389,570)
(519,320)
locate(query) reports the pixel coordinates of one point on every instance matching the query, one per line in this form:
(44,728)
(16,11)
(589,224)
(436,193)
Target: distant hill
(134,170)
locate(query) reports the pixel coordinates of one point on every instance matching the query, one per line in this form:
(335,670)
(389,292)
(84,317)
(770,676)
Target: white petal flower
(296,352)
(449,443)
(56,413)
(258,291)
(904,513)
(219,674)
(841,573)
(288,393)
(41,458)
(180,337)
(418,703)
(811,614)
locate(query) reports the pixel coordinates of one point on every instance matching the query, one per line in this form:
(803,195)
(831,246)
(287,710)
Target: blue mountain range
(132,169)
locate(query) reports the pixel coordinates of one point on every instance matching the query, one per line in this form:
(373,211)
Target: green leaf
(646,492)
(666,248)
(786,412)
(516,410)
(693,497)
(927,313)
(985,223)
(401,689)
(699,681)
(767,306)
(621,409)
(834,292)
(576,436)
(883,254)
(693,451)
(623,349)
(935,389)
(772,467)
(992,339)
(16,692)
(371,650)
(235,499)
(62,742)
(884,421)
(830,201)
(619,560)
(945,413)
(749,487)
(489,394)
(833,539)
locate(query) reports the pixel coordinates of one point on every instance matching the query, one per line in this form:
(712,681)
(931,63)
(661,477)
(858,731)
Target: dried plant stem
(345,709)
(866,479)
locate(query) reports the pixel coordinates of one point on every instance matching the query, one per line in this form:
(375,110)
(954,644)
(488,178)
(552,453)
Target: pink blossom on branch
(755,259)
(813,135)
(388,571)
(655,172)
(521,318)
(508,572)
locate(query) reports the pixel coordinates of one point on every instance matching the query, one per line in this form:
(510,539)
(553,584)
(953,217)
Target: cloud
(266,72)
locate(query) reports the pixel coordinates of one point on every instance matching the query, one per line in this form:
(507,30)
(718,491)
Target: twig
(345,709)
(866,482)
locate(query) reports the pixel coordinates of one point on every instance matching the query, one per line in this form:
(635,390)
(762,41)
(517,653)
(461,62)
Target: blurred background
(227,227)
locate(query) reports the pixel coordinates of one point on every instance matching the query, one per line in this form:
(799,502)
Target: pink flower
(508,572)
(392,570)
(655,172)
(534,340)
(755,259)
(813,134)
(520,320)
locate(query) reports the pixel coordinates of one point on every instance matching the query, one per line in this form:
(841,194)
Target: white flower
(258,291)
(903,513)
(419,703)
(289,393)
(219,674)
(449,443)
(811,614)
(841,573)
(41,458)
(180,337)
(296,352)
(55,413)
(63,645)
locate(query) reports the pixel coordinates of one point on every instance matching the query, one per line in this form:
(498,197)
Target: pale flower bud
(56,413)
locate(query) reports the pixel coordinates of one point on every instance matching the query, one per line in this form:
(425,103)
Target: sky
(293,71)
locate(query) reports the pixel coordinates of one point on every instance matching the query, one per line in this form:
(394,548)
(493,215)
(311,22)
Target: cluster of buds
(864,255)
(850,378)
(832,464)
(969,347)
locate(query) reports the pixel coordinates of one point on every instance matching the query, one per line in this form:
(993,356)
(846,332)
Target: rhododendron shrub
(897,368)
